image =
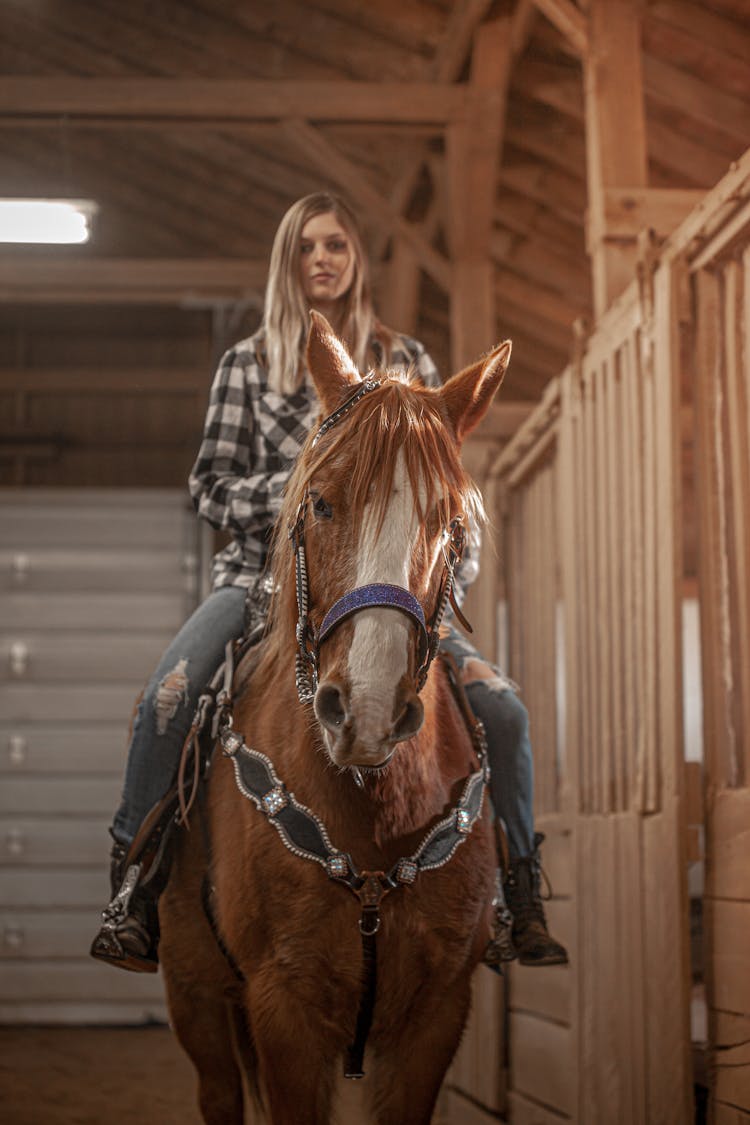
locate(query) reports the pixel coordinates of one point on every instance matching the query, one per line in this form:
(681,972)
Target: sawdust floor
(101,1075)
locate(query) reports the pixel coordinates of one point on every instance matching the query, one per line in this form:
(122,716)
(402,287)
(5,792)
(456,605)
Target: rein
(386,595)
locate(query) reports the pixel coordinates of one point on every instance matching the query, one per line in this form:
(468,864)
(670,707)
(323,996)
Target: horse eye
(322,509)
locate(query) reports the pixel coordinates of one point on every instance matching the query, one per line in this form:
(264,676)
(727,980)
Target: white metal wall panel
(93,584)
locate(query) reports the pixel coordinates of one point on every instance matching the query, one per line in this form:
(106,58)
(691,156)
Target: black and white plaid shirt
(251,439)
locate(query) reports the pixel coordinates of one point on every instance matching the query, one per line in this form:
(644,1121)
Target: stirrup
(118,926)
(500,948)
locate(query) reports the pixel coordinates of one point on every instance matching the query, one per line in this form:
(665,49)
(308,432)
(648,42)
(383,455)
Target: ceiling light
(46,220)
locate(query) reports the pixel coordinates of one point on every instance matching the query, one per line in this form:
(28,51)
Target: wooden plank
(22,888)
(650,766)
(157,612)
(473,150)
(542,991)
(603,513)
(569,20)
(630,907)
(737,370)
(731,1070)
(667,968)
(47,570)
(615,140)
(48,934)
(82,1013)
(86,747)
(104,381)
(631,569)
(718,735)
(730,955)
(24,703)
(669,85)
(51,839)
(76,655)
(527,1112)
(628,210)
(724,1114)
(454,1108)
(65,796)
(63,981)
(728,844)
(100,280)
(230,99)
(542,1063)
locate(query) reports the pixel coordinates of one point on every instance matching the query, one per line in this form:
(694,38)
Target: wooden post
(616,155)
(473,150)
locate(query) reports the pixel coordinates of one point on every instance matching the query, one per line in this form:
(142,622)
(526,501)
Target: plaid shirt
(251,439)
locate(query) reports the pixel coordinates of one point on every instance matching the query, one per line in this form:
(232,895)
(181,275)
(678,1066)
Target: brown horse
(365,833)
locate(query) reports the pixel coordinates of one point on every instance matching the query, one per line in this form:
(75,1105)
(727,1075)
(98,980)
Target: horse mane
(401,414)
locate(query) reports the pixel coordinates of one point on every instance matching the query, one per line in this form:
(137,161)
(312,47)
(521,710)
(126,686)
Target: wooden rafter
(229,99)
(569,21)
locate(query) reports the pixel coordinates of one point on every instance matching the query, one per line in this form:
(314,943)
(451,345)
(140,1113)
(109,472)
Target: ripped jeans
(165,712)
(506,724)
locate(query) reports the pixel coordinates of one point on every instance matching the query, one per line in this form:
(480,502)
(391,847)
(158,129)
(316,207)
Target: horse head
(376,507)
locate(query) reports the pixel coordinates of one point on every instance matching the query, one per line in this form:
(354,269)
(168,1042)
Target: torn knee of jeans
(171,692)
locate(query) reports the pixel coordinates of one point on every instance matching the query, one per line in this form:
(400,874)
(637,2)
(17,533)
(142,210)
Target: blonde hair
(286,313)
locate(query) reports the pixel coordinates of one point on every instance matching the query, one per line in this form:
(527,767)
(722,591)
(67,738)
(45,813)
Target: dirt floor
(106,1076)
(94,1076)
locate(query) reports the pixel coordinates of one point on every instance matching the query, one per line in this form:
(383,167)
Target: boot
(531,938)
(129,935)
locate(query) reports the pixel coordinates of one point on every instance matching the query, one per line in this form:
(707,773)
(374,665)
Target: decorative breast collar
(304,834)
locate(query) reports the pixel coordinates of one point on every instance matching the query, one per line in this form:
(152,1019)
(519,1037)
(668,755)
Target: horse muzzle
(365,735)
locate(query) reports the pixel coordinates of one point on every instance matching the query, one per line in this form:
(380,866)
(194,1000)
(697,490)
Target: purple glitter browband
(376,594)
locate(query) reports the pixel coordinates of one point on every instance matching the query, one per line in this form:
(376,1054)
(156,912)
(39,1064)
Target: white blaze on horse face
(379,653)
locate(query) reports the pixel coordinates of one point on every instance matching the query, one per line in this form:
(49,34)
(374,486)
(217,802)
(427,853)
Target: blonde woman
(261,409)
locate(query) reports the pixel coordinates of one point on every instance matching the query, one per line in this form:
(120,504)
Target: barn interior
(522,169)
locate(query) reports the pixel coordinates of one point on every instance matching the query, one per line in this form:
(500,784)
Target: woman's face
(326,262)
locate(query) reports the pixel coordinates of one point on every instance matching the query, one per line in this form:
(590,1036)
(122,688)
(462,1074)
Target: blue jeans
(165,711)
(506,724)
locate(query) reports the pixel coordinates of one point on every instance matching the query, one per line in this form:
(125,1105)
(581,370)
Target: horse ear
(330,364)
(467,396)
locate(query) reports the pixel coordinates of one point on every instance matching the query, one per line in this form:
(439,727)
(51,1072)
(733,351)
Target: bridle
(384,594)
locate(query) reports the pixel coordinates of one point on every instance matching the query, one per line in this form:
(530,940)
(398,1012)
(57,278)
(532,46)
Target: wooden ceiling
(195,123)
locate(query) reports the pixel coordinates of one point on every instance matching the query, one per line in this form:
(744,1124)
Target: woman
(261,408)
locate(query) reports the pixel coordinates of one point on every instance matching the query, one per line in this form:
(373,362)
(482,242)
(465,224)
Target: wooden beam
(446,65)
(569,21)
(230,99)
(616,154)
(473,157)
(130,280)
(333,164)
(628,211)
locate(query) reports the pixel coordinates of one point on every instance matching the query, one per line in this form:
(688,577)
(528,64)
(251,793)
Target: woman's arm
(225,489)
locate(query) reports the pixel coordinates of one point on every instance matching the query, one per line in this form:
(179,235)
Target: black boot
(129,935)
(531,938)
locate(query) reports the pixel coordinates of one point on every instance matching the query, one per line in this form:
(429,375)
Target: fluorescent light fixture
(46,220)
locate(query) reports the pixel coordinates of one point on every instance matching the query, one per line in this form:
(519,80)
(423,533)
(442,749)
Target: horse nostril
(329,706)
(409,721)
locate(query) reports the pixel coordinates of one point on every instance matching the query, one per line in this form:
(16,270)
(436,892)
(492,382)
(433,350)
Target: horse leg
(299,1087)
(204,1029)
(407,1075)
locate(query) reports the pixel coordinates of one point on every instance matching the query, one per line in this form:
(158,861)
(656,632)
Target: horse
(347,844)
